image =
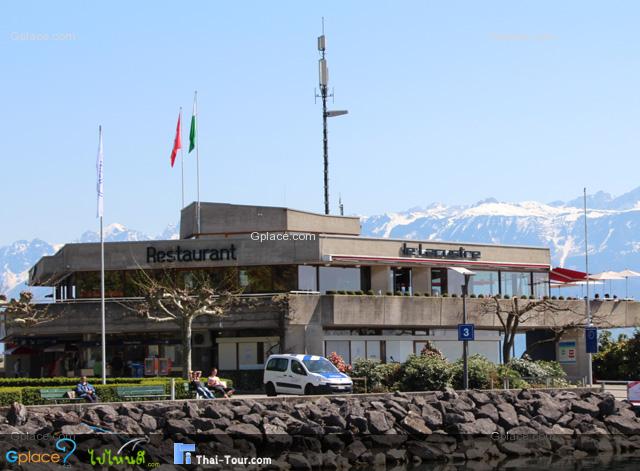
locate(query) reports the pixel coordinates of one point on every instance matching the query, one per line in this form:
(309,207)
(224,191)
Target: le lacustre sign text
(459,254)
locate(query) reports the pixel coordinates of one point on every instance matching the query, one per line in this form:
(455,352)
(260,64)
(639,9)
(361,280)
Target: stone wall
(341,431)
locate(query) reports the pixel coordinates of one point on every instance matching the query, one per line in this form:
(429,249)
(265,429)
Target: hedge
(64,381)
(30,395)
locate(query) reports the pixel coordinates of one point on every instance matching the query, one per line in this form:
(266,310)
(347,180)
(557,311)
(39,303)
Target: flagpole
(588,306)
(195,101)
(101,214)
(181,158)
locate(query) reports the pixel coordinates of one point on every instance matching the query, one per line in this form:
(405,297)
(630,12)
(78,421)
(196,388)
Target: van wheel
(309,390)
(271,390)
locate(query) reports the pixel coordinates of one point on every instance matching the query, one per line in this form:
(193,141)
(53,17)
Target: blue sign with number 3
(466,332)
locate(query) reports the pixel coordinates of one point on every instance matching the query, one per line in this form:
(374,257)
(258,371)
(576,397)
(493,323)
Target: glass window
(278,364)
(318,365)
(248,356)
(307,278)
(358,350)
(485,283)
(337,278)
(401,279)
(297,368)
(438,281)
(515,283)
(256,279)
(284,278)
(373,350)
(341,347)
(227,355)
(540,285)
(88,284)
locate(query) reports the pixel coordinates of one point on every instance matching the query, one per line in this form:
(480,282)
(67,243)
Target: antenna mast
(324,94)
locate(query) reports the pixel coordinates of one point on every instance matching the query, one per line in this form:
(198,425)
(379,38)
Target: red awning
(564,275)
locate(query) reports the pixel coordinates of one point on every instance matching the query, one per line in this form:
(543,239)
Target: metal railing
(540,382)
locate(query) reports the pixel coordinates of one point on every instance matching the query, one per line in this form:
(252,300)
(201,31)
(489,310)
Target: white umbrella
(628,274)
(608,275)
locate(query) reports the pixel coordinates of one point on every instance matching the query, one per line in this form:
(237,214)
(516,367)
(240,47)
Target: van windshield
(321,365)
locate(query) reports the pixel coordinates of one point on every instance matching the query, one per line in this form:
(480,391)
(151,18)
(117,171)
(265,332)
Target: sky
(448,102)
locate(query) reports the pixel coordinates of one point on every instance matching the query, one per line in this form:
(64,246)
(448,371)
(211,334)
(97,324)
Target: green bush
(538,372)
(426,373)
(61,381)
(390,374)
(330,292)
(388,293)
(363,368)
(481,372)
(370,292)
(515,380)
(10,395)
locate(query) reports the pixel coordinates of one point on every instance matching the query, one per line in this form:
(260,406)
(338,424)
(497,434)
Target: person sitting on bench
(194,378)
(215,383)
(86,391)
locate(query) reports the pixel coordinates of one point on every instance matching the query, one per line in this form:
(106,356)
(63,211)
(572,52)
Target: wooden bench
(190,389)
(56,395)
(142,392)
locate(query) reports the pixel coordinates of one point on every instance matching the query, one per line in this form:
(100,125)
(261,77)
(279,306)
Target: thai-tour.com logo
(185,453)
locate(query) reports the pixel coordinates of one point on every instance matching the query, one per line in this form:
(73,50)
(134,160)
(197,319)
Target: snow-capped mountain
(614,232)
(16,259)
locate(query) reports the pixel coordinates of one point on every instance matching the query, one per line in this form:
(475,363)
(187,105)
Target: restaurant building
(361,297)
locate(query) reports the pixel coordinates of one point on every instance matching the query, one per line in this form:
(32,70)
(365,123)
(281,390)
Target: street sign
(466,332)
(591,334)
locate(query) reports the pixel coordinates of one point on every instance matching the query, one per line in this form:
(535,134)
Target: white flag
(99,168)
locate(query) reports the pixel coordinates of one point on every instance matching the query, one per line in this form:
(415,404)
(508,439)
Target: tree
(167,300)
(515,312)
(22,312)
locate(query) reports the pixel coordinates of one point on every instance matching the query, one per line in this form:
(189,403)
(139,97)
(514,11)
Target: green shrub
(417,294)
(537,372)
(515,380)
(426,373)
(388,293)
(341,291)
(427,295)
(10,395)
(481,372)
(390,375)
(398,293)
(330,292)
(364,368)
(61,381)
(369,292)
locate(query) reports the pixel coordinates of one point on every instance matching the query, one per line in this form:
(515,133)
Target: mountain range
(613,232)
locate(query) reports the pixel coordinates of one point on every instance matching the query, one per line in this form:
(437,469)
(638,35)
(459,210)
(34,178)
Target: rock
(148,423)
(508,417)
(91,416)
(278,436)
(17,414)
(76,429)
(298,461)
(459,405)
(179,426)
(479,427)
(607,406)
(449,394)
(106,413)
(354,450)
(247,431)
(175,414)
(479,398)
(431,416)
(127,425)
(626,425)
(452,418)
(415,425)
(211,412)
(378,422)
(333,442)
(240,411)
(335,419)
(549,409)
(61,418)
(584,407)
(396,455)
(488,411)
(252,419)
(525,395)
(191,410)
(426,451)
(360,423)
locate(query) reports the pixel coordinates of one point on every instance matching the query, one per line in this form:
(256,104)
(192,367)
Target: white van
(303,374)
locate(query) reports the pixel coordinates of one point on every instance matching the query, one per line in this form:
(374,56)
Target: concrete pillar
(380,279)
(421,280)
